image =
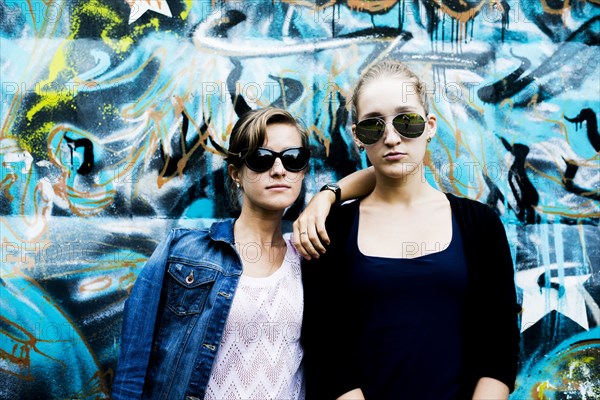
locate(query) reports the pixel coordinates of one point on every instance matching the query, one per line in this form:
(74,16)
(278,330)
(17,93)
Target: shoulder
(340,218)
(344,210)
(476,217)
(185,241)
(470,208)
(178,234)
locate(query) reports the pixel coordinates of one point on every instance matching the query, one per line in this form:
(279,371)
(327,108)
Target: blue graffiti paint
(513,85)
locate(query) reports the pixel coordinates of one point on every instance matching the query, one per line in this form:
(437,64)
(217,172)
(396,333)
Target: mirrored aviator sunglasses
(408,125)
(294,159)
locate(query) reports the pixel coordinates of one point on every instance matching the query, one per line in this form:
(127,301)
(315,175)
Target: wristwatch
(335,189)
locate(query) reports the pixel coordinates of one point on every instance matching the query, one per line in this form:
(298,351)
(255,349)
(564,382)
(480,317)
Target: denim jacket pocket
(188,287)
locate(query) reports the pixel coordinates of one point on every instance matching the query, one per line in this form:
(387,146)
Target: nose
(391,135)
(277,168)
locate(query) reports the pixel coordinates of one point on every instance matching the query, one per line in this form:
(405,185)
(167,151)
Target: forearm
(490,389)
(310,235)
(357,184)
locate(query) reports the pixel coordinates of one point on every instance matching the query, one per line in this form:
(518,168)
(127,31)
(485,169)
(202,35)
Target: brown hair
(388,68)
(249,133)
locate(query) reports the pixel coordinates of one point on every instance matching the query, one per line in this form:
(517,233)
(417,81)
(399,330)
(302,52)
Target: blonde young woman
(216,313)
(414,297)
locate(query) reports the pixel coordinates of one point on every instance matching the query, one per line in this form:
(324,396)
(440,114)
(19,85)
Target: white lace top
(260,356)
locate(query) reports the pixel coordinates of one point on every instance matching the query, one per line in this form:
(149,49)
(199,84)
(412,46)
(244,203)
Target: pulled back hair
(390,69)
(249,133)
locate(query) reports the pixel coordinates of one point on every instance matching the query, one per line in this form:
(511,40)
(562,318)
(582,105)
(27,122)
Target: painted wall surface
(110,112)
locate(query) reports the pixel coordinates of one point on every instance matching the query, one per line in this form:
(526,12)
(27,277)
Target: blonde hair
(388,68)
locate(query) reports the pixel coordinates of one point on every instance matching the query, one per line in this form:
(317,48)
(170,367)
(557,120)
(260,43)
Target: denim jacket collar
(223,231)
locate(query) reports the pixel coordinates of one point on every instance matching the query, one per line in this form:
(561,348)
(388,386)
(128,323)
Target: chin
(404,166)
(278,205)
(400,170)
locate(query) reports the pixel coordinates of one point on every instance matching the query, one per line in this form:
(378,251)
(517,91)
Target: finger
(301,249)
(307,242)
(297,241)
(315,239)
(322,232)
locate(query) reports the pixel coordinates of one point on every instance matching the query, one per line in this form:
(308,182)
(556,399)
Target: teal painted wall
(107,108)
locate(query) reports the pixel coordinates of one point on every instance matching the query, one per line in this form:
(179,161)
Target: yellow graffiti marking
(95,8)
(188,6)
(371,5)
(52,98)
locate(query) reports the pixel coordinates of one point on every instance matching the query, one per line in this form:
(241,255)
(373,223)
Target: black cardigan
(491,332)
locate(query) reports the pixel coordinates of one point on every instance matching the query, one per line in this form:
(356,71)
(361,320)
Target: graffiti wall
(112,111)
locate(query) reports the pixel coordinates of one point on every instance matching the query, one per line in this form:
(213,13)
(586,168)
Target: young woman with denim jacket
(415,296)
(217,313)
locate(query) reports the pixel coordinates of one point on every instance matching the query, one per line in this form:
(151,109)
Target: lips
(278,187)
(394,155)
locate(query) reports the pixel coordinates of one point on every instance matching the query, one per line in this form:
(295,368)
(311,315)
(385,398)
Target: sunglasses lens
(295,159)
(261,160)
(369,130)
(410,125)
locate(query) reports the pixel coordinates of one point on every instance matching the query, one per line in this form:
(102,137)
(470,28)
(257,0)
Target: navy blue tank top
(410,344)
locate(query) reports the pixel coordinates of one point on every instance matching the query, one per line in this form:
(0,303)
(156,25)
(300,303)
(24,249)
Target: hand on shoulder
(309,233)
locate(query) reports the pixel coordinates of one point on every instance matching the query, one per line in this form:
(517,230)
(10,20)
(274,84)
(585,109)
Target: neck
(261,228)
(259,241)
(406,190)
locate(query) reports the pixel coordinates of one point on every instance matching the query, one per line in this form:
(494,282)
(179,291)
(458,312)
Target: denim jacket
(175,316)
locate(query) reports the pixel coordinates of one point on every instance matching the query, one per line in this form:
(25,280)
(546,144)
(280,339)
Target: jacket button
(209,346)
(190,278)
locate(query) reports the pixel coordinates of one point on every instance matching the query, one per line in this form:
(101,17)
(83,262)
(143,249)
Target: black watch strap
(335,189)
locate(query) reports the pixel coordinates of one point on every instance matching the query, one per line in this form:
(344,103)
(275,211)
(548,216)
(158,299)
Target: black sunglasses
(408,125)
(293,159)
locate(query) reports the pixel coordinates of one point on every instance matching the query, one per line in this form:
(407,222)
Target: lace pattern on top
(260,356)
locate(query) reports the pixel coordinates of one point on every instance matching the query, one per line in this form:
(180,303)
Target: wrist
(333,189)
(329,195)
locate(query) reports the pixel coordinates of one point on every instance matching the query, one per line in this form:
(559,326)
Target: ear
(359,144)
(234,173)
(431,126)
